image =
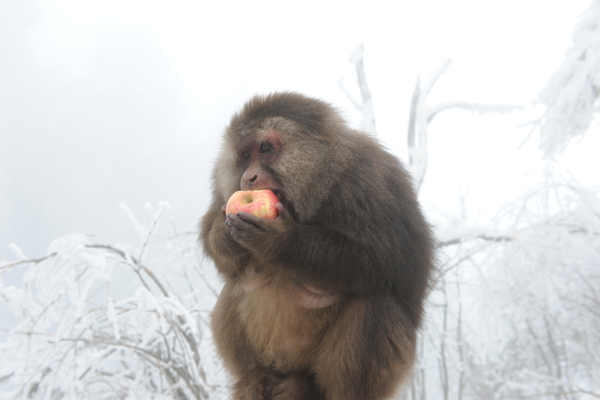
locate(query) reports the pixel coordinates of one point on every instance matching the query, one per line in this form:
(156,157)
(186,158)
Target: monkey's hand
(230,257)
(255,233)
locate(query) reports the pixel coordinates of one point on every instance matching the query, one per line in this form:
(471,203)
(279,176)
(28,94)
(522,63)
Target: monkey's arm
(228,255)
(335,260)
(320,255)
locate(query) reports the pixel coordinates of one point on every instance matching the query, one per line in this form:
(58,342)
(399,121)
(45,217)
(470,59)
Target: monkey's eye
(265,147)
(245,155)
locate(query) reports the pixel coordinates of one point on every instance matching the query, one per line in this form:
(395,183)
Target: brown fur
(323,302)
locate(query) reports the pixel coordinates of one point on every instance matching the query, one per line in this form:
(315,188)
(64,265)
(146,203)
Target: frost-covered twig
(365,106)
(477,108)
(138,266)
(464,239)
(572,95)
(80,337)
(435,76)
(156,217)
(421,114)
(31,260)
(588,392)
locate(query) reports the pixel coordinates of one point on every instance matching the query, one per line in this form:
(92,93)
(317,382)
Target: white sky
(219,53)
(502,51)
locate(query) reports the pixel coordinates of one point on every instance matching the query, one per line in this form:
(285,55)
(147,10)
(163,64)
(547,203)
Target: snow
(571,95)
(122,103)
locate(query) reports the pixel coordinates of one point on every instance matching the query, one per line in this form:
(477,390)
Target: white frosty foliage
(422,113)
(571,96)
(549,289)
(365,106)
(78,338)
(515,313)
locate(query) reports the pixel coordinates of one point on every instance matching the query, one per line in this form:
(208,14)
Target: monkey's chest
(283,334)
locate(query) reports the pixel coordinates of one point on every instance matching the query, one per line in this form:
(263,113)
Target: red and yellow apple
(261,203)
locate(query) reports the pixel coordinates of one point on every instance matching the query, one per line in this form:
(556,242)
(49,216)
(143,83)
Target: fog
(112,102)
(79,140)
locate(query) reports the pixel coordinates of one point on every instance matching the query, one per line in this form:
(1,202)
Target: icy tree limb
(572,94)
(417,154)
(441,70)
(417,136)
(163,363)
(589,393)
(30,260)
(413,114)
(355,103)
(476,108)
(156,217)
(417,128)
(488,238)
(447,268)
(365,107)
(139,266)
(421,114)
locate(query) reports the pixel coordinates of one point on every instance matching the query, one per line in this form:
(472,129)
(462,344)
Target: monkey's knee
(262,384)
(367,353)
(257,384)
(297,387)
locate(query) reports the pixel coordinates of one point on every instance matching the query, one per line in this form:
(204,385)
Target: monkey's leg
(254,381)
(230,335)
(263,384)
(367,352)
(256,384)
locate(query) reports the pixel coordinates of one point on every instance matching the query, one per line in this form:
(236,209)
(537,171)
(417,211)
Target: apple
(256,202)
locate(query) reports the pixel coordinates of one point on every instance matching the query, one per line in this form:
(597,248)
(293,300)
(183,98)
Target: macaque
(326,300)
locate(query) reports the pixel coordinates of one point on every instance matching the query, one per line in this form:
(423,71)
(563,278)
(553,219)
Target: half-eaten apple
(261,203)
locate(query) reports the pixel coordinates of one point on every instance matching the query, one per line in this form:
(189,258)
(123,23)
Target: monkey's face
(277,156)
(255,162)
(299,160)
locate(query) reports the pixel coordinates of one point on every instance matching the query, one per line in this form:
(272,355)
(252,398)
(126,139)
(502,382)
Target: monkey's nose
(249,182)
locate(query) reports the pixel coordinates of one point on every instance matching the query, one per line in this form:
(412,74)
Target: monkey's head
(286,142)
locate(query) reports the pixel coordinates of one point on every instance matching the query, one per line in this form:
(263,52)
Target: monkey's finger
(261,223)
(234,221)
(223,209)
(228,223)
(282,212)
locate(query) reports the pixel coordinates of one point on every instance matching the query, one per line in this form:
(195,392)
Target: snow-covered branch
(476,108)
(463,239)
(6,266)
(422,113)
(89,330)
(137,265)
(365,106)
(435,76)
(572,94)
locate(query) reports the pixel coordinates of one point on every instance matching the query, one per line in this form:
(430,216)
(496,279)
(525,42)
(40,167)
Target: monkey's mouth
(279,195)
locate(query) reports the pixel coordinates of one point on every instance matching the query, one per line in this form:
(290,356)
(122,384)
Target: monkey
(326,300)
